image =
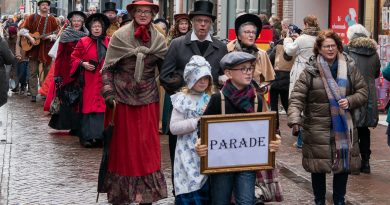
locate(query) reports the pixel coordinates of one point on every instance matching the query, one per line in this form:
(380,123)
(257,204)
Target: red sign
(343,14)
(21,8)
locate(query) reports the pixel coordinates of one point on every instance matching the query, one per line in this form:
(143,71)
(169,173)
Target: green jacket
(386,75)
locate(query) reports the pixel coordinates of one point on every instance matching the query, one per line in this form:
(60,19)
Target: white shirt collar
(195,38)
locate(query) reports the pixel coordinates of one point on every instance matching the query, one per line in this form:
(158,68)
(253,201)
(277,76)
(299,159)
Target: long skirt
(134,165)
(66,119)
(92,125)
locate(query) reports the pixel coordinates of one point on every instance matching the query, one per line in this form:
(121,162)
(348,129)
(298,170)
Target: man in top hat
(111,12)
(196,42)
(44,24)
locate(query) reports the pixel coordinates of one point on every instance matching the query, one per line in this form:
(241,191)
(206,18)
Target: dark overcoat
(6,58)
(179,54)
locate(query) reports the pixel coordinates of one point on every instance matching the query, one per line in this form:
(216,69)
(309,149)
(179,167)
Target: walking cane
(107,134)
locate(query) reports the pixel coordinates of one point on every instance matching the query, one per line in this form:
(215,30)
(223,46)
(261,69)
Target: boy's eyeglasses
(245,70)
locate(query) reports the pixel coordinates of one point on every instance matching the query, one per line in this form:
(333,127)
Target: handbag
(71,94)
(55,106)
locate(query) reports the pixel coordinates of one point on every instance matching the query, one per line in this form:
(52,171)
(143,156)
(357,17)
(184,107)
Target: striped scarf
(243,99)
(342,125)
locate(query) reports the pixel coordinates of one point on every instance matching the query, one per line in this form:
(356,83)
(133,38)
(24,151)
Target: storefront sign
(343,14)
(238,142)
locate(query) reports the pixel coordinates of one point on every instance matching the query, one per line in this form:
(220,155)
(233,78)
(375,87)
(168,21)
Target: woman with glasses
(248,28)
(67,117)
(326,93)
(134,55)
(87,60)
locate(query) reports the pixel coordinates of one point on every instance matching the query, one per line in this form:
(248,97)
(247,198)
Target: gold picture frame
(242,127)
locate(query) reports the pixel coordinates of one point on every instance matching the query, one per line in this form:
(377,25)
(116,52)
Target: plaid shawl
(342,125)
(243,99)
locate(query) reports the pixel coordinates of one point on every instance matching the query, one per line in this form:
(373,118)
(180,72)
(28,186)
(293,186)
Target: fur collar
(362,45)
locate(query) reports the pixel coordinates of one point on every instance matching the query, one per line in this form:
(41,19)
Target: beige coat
(263,70)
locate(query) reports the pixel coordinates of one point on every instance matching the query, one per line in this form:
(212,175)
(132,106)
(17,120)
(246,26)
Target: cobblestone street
(40,165)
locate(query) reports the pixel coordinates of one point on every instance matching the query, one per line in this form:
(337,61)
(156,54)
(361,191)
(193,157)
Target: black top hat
(202,8)
(248,18)
(99,16)
(41,1)
(126,18)
(80,13)
(110,6)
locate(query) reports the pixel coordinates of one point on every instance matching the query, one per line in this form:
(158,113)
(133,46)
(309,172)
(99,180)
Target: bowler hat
(110,6)
(235,58)
(41,1)
(203,8)
(179,17)
(80,13)
(99,16)
(135,3)
(248,18)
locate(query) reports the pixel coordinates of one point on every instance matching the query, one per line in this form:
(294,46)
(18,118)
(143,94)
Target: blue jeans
(21,71)
(223,185)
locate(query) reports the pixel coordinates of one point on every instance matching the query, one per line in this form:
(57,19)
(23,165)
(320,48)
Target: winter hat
(357,30)
(195,69)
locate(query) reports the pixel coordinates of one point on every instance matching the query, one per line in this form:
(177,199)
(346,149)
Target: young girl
(239,97)
(188,105)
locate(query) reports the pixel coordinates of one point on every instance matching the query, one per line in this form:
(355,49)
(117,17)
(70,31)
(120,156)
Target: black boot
(85,143)
(365,168)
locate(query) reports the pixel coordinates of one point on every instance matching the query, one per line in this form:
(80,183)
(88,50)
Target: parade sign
(237,142)
(343,14)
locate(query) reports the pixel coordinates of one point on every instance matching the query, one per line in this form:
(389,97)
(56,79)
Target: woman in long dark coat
(67,117)
(363,50)
(87,61)
(134,54)
(6,58)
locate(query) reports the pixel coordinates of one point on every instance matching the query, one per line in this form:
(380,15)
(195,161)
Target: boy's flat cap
(234,58)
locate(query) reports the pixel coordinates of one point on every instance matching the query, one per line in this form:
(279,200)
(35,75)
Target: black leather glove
(110,102)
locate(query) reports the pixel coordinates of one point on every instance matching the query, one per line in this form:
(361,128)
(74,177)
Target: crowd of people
(96,68)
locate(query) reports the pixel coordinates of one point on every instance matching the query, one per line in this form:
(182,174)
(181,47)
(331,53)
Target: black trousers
(318,182)
(274,100)
(172,147)
(364,141)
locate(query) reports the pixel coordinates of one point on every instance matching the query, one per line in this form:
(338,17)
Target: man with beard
(44,24)
(111,13)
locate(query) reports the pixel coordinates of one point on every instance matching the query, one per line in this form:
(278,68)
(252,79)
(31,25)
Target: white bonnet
(195,69)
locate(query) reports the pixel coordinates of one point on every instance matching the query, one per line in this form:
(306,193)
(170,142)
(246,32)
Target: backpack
(13,30)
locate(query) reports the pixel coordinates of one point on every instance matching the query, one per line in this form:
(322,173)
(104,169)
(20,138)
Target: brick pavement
(43,166)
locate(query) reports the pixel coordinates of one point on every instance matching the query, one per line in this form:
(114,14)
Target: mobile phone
(92,62)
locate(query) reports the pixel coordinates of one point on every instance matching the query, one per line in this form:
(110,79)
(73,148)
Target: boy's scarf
(123,44)
(342,126)
(241,99)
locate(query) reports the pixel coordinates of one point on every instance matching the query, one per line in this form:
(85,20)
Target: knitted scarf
(123,44)
(342,126)
(70,34)
(241,99)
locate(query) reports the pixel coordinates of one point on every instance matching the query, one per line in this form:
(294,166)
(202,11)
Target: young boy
(239,97)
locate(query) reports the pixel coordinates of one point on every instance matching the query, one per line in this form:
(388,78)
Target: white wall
(319,8)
